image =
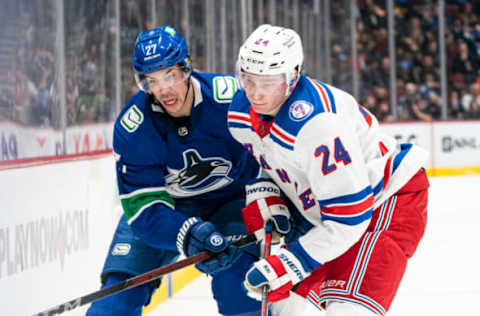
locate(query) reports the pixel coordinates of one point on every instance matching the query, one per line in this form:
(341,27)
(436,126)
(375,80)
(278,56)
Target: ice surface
(442,278)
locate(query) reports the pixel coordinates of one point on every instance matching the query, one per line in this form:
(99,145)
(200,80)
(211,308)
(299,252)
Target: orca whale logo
(199,175)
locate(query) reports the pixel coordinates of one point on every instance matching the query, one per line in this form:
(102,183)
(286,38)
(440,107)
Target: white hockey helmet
(272,50)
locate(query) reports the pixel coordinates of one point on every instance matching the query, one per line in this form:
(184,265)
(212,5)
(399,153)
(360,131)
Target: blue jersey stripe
(308,263)
(280,142)
(351,220)
(349,198)
(378,188)
(316,96)
(330,96)
(405,148)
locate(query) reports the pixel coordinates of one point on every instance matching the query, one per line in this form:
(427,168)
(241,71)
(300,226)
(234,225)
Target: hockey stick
(138,280)
(266,253)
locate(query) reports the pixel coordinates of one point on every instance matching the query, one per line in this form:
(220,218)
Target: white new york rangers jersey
(327,154)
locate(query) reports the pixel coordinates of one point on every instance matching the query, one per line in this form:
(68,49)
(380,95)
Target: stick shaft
(137,280)
(266,253)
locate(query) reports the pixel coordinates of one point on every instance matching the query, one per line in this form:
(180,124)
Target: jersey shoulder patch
(131,119)
(224,88)
(300,110)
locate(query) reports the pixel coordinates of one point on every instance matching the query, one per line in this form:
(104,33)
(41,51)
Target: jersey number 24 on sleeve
(340,155)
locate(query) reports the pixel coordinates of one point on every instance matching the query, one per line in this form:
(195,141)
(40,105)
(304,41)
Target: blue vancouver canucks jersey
(163,161)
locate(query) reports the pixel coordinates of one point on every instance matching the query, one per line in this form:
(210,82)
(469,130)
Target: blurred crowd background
(417,59)
(68,63)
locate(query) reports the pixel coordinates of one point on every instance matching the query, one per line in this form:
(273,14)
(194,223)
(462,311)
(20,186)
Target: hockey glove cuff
(280,272)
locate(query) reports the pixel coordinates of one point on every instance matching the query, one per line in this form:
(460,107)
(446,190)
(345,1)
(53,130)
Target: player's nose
(256,94)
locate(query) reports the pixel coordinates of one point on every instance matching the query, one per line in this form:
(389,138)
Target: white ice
(442,278)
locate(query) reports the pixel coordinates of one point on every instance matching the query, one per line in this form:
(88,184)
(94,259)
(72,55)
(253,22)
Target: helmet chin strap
(292,82)
(188,89)
(188,66)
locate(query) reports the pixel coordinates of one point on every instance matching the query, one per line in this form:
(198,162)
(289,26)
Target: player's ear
(297,73)
(295,80)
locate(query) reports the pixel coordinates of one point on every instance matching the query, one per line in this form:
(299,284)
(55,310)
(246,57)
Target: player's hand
(196,236)
(265,203)
(280,272)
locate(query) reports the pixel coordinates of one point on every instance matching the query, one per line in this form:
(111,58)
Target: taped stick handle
(138,280)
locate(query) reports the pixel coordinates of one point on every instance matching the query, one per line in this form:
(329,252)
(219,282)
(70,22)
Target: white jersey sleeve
(332,161)
(345,158)
(328,155)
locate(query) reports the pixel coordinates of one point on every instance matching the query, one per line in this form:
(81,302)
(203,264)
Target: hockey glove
(196,236)
(264,203)
(280,272)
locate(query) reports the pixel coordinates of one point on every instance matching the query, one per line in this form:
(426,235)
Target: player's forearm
(158,226)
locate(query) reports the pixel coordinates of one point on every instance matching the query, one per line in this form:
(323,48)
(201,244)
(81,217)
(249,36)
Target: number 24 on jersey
(340,154)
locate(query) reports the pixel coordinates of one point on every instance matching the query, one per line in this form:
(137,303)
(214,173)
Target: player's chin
(261,108)
(173,110)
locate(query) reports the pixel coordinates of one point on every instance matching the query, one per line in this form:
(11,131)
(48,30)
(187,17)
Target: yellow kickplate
(179,280)
(458,171)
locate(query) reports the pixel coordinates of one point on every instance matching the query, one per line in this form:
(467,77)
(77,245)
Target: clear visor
(154,82)
(261,84)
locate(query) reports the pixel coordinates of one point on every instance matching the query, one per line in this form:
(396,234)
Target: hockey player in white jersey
(363,194)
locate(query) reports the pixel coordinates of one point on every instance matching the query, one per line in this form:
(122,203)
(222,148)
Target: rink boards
(454,146)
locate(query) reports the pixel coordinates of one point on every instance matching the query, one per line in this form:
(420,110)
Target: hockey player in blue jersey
(181,178)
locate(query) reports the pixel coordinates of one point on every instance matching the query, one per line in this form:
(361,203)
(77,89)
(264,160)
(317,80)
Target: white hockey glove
(264,203)
(280,272)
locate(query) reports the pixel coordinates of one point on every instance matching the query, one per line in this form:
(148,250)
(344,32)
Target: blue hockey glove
(196,236)
(265,203)
(280,272)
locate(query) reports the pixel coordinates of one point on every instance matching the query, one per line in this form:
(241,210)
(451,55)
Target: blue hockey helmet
(158,49)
